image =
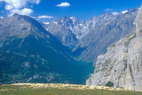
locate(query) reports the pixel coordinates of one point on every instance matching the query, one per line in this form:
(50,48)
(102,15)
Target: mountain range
(29,53)
(88,39)
(61,51)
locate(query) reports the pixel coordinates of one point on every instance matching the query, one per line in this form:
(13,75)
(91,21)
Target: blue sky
(82,9)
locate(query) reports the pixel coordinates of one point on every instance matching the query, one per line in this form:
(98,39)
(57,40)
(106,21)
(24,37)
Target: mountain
(67,30)
(29,53)
(121,65)
(106,30)
(88,39)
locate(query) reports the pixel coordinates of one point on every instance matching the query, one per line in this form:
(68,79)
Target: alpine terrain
(121,65)
(88,39)
(29,53)
(60,51)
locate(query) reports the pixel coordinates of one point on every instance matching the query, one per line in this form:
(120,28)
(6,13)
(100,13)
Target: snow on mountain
(123,12)
(84,36)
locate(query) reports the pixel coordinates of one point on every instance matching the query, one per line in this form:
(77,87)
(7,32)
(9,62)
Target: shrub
(109,84)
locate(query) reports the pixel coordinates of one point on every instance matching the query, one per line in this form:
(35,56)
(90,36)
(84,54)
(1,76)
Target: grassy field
(60,89)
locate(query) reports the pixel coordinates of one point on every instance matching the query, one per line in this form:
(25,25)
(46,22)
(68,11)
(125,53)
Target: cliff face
(121,65)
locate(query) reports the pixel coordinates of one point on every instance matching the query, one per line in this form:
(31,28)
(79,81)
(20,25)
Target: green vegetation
(109,84)
(26,90)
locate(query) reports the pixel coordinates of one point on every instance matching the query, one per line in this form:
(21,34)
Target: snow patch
(46,23)
(72,18)
(123,12)
(114,13)
(55,23)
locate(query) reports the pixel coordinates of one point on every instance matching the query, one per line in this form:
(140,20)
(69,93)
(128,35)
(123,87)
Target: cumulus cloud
(19,5)
(16,4)
(108,9)
(63,4)
(45,16)
(24,11)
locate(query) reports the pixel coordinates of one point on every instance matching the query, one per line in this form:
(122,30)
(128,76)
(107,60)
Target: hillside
(29,53)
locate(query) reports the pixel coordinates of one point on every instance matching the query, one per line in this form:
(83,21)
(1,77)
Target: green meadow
(42,90)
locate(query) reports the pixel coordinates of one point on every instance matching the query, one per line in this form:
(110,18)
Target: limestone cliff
(121,65)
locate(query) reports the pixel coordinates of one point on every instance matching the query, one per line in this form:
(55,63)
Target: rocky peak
(108,14)
(139,23)
(132,10)
(18,17)
(20,26)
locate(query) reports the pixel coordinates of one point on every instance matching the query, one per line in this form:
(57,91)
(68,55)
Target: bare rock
(122,63)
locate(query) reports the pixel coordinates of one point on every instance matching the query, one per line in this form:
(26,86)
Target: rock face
(122,63)
(67,30)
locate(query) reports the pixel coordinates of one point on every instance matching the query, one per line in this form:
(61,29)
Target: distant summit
(88,39)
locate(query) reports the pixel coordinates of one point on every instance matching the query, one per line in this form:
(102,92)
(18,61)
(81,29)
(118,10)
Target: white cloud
(45,16)
(8,7)
(63,4)
(19,5)
(108,9)
(24,11)
(16,4)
